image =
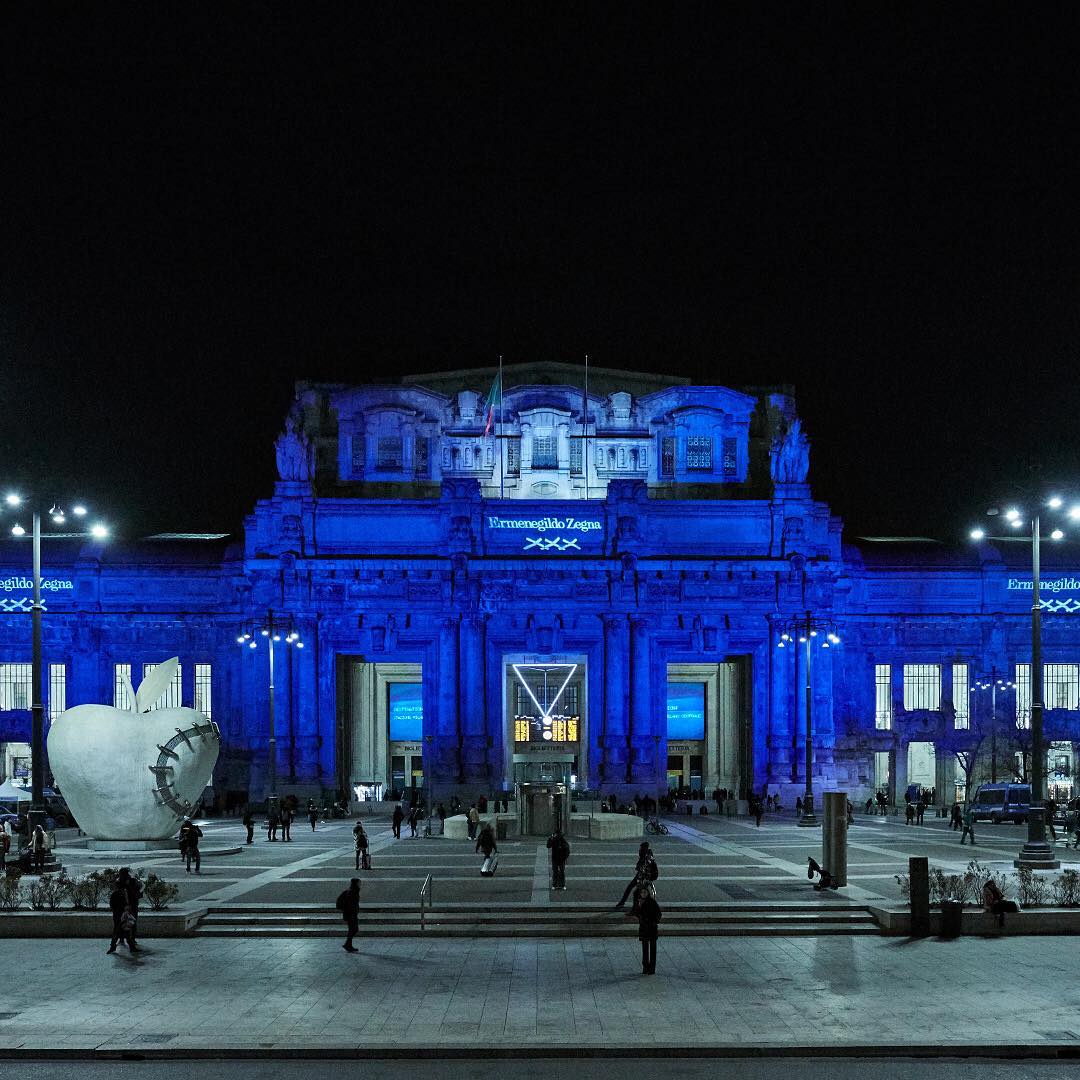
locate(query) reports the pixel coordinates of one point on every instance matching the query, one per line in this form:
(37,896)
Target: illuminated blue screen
(685,711)
(406,712)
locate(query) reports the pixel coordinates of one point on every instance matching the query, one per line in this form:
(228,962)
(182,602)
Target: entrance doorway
(545,709)
(703,727)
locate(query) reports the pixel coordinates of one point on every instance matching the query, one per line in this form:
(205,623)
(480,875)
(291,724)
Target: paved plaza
(704,858)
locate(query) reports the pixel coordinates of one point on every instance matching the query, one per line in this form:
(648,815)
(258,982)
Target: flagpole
(498,428)
(585,421)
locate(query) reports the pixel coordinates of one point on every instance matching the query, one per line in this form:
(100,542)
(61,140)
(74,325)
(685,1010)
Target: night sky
(203,204)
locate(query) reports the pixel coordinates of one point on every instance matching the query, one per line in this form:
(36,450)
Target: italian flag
(492,402)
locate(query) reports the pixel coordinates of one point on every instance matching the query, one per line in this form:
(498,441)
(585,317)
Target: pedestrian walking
(560,852)
(133,890)
(312,813)
(249,824)
(757,810)
(909,813)
(5,843)
(648,915)
(869,805)
(273,819)
(920,809)
(645,872)
(414,817)
(798,807)
(348,903)
(286,822)
(360,840)
(969,825)
(1050,803)
(39,847)
(397,819)
(474,821)
(190,834)
(121,917)
(486,843)
(1075,826)
(956,818)
(442,818)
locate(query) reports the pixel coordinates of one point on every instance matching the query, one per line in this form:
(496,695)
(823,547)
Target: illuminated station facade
(495,583)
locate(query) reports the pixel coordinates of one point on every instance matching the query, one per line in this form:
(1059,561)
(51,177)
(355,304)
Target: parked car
(1001,802)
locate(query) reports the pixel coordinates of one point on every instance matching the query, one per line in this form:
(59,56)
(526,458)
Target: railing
(425,899)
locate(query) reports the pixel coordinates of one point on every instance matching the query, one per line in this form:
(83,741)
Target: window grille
(203,693)
(1061,689)
(543,453)
(423,455)
(883,697)
(57,690)
(121,697)
(922,686)
(575,457)
(356,452)
(15,681)
(730,456)
(667,455)
(699,452)
(1022,678)
(961,697)
(389,452)
(171,698)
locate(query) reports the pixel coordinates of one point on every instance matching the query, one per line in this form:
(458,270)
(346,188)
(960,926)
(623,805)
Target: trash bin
(951,914)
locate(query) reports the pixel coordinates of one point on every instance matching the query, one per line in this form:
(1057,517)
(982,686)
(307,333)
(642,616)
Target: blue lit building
(588,585)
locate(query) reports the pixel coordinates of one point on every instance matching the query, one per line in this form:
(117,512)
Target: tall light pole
(271,630)
(805,630)
(1036,852)
(992,682)
(429,776)
(98,531)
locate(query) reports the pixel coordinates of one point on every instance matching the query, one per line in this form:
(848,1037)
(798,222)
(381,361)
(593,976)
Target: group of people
(645,908)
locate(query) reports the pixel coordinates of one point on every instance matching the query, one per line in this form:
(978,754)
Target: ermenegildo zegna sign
(545,533)
(1046,585)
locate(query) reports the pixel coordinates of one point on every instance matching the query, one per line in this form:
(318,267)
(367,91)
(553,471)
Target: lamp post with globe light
(98,531)
(806,630)
(1036,852)
(272,630)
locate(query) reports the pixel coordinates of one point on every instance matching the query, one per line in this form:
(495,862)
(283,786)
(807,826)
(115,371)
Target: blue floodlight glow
(406,712)
(685,711)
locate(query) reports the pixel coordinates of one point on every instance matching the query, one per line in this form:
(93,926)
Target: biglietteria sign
(536,531)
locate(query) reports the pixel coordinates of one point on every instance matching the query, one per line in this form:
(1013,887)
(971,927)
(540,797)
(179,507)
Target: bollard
(834,836)
(919,876)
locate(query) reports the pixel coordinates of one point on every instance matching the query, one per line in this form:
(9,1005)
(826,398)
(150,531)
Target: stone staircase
(734,919)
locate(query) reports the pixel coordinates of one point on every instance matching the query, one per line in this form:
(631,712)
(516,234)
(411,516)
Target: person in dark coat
(273,819)
(348,903)
(643,872)
(312,813)
(649,916)
(134,893)
(487,843)
(956,817)
(249,824)
(118,904)
(398,818)
(286,822)
(39,848)
(757,810)
(414,817)
(360,839)
(909,813)
(190,834)
(560,852)
(920,809)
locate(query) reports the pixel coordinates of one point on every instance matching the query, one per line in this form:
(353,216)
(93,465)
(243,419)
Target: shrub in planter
(1066,889)
(159,894)
(1031,888)
(47,893)
(11,892)
(86,892)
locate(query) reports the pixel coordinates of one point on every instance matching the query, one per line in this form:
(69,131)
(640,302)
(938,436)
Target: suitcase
(491,864)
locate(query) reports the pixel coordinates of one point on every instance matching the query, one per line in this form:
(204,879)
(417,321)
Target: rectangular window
(389,452)
(961,696)
(543,452)
(203,694)
(356,455)
(171,698)
(643,457)
(57,690)
(667,455)
(423,455)
(729,462)
(1061,689)
(121,696)
(699,452)
(922,686)
(513,455)
(575,457)
(883,697)
(622,457)
(15,680)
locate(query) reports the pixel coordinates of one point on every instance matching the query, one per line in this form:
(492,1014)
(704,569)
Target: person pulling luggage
(486,844)
(360,839)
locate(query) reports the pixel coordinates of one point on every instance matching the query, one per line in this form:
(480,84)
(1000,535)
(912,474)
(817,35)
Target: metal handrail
(425,896)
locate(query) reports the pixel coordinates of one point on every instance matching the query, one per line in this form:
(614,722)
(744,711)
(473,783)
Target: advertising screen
(685,711)
(406,712)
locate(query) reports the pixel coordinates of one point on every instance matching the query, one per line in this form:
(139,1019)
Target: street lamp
(807,631)
(1036,853)
(992,682)
(429,775)
(99,531)
(272,631)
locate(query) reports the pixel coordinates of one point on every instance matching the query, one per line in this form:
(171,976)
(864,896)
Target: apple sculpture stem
(101,756)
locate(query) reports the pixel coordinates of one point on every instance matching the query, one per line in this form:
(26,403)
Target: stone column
(644,724)
(473,695)
(614,770)
(448,732)
(780,733)
(898,773)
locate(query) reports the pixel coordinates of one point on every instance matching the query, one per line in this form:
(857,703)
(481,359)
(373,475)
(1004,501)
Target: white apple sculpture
(133,775)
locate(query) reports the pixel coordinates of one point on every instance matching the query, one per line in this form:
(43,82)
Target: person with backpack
(189,844)
(360,838)
(645,873)
(648,915)
(560,852)
(348,903)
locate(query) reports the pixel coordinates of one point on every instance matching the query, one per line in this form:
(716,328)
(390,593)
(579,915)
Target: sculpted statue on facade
(790,456)
(294,453)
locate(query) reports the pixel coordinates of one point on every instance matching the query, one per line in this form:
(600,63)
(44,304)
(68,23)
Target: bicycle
(655,825)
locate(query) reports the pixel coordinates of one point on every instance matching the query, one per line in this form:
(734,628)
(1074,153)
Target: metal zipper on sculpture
(164,791)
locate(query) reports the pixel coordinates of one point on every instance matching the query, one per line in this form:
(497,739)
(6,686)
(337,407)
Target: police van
(1001,802)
